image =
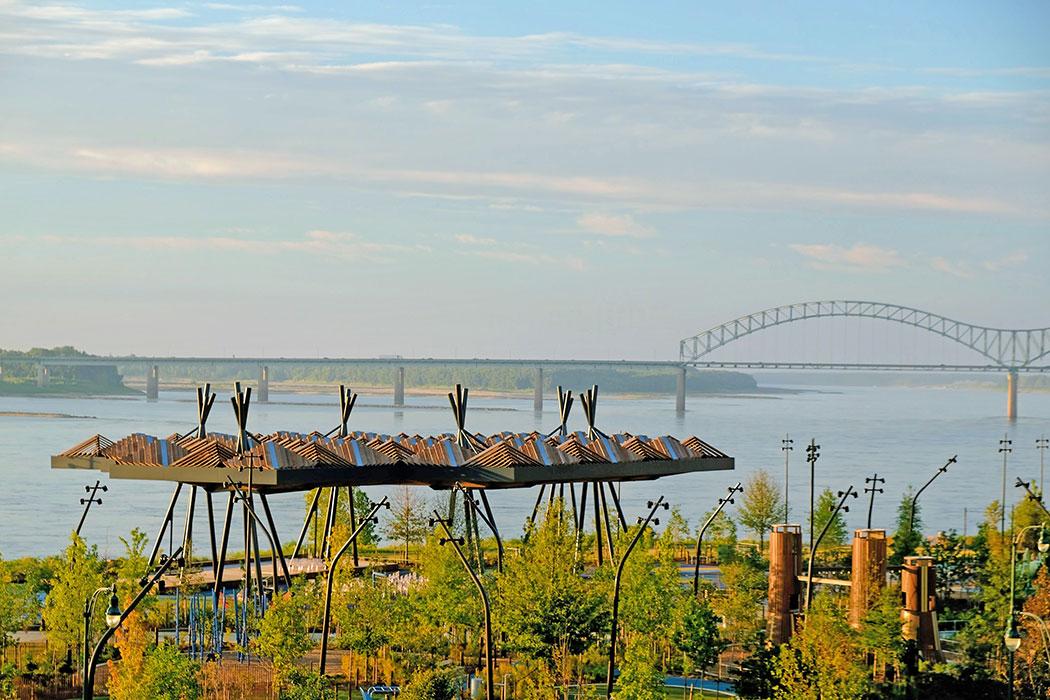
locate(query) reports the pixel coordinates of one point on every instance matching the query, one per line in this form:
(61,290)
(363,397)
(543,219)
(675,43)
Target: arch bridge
(1007,350)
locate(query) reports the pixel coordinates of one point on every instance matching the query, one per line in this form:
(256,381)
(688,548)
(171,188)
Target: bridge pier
(264,384)
(679,401)
(1011,394)
(399,387)
(537,390)
(43,376)
(152,383)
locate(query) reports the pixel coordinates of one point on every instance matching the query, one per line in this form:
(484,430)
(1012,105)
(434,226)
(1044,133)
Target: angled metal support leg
(353,525)
(220,564)
(211,530)
(616,502)
(279,554)
(311,513)
(164,525)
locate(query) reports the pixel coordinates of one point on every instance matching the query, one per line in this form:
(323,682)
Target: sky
(478,179)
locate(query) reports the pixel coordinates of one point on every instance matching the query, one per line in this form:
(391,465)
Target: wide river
(904,434)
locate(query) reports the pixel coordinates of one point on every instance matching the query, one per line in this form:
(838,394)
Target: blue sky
(544,179)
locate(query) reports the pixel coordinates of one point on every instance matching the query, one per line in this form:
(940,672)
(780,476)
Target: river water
(904,434)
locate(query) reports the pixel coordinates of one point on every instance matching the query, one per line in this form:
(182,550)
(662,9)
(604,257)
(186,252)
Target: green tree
(958,562)
(546,609)
(720,534)
(698,635)
(432,684)
(302,684)
(880,632)
(640,678)
(649,587)
(132,567)
(823,660)
(409,522)
(759,673)
(171,675)
(981,640)
(762,506)
(127,677)
(16,605)
(740,604)
(835,537)
(76,579)
(284,633)
(908,536)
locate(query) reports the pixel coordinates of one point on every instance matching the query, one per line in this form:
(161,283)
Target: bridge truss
(1008,349)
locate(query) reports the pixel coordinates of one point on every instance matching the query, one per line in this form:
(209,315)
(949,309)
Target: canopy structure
(248,467)
(292,461)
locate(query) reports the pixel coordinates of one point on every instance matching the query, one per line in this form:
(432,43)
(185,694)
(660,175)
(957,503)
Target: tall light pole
(843,495)
(1004,449)
(786,447)
(700,537)
(92,492)
(1010,637)
(653,507)
(1041,444)
(812,455)
(915,499)
(1027,486)
(874,480)
(457,543)
(112,617)
(326,619)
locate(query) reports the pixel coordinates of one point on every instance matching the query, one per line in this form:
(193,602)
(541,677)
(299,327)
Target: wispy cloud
(859,257)
(1014,259)
(516,252)
(620,225)
(1022,71)
(955,268)
(467,239)
(320,243)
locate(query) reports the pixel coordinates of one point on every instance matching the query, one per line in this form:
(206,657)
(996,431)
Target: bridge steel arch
(1010,349)
(1006,347)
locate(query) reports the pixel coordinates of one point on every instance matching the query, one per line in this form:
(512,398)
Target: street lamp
(456,543)
(326,618)
(1041,444)
(1011,638)
(1005,449)
(840,506)
(915,498)
(653,507)
(786,445)
(114,617)
(700,537)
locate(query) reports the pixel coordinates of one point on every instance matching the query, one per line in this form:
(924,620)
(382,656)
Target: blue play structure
(201,617)
(380,692)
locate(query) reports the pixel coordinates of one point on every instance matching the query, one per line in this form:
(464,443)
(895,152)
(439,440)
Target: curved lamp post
(114,618)
(1010,637)
(326,620)
(915,498)
(700,537)
(456,543)
(653,507)
(843,495)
